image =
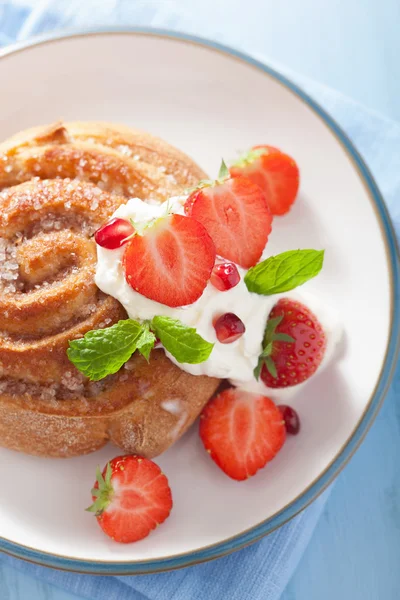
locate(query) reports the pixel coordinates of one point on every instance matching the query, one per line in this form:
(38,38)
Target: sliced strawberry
(236,215)
(171,262)
(241,432)
(130,498)
(276,173)
(294,345)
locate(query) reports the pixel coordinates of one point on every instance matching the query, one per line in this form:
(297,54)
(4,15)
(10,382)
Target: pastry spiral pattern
(48,292)
(58,185)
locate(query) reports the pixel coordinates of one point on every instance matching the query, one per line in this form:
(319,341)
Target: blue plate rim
(320,484)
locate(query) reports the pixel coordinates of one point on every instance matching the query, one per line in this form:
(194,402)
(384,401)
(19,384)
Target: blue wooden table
(353,46)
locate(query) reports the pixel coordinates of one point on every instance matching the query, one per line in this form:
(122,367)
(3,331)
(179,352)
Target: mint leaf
(181,341)
(146,342)
(103,351)
(284,272)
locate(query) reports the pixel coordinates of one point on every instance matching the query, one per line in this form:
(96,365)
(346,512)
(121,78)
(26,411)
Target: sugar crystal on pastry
(58,185)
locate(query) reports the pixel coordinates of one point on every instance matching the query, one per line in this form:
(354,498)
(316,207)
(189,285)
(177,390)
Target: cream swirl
(235,361)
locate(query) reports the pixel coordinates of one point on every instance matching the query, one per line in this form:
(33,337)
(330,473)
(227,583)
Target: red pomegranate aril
(291,418)
(228,328)
(113,234)
(225,276)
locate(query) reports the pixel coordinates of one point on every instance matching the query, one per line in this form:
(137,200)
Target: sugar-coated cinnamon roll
(59,184)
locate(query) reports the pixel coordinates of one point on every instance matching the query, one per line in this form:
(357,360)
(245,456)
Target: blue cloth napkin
(262,570)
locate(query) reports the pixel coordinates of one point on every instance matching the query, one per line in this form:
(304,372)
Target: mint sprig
(284,271)
(146,341)
(102,352)
(183,342)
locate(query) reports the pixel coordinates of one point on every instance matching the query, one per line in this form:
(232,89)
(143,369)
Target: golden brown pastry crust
(59,184)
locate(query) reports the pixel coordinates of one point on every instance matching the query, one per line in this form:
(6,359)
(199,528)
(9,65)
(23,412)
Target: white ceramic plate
(210,102)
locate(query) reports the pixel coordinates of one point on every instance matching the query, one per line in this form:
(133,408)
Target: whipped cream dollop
(235,361)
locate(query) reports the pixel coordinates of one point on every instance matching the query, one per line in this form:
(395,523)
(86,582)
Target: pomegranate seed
(228,328)
(113,234)
(225,276)
(291,418)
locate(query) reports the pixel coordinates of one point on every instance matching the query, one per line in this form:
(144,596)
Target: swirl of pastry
(59,184)
(116,158)
(47,280)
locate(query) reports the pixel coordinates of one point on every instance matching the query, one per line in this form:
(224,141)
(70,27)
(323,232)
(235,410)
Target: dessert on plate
(132,289)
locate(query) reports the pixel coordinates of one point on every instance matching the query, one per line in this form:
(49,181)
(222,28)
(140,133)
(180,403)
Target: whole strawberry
(130,498)
(294,345)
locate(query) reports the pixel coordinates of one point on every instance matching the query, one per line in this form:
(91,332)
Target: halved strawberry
(294,345)
(130,498)
(236,215)
(171,262)
(276,173)
(241,432)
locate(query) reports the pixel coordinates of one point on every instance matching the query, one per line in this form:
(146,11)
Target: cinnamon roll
(58,185)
